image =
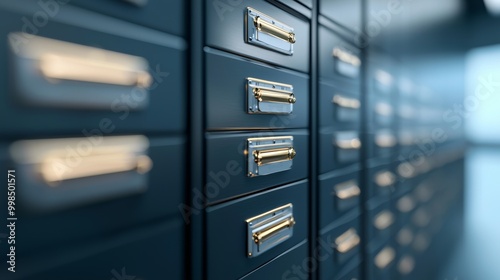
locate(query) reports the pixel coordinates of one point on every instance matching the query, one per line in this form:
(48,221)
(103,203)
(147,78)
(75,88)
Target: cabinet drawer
(380,221)
(339,195)
(339,107)
(233,171)
(167,16)
(122,86)
(280,39)
(338,60)
(344,12)
(339,247)
(228,237)
(232,102)
(88,202)
(338,149)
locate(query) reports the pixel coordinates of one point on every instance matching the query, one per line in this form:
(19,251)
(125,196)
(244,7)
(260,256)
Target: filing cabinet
(262,31)
(231,234)
(91,99)
(220,139)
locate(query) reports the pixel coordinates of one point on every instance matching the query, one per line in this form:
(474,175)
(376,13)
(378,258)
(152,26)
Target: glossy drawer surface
(282,266)
(226,29)
(344,12)
(227,236)
(82,101)
(339,149)
(227,103)
(167,16)
(338,59)
(338,196)
(99,214)
(135,254)
(227,164)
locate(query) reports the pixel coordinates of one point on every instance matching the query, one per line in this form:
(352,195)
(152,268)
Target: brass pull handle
(261,236)
(271,156)
(95,165)
(385,257)
(267,27)
(347,190)
(63,67)
(385,140)
(347,241)
(349,144)
(263,95)
(346,57)
(385,178)
(346,102)
(384,220)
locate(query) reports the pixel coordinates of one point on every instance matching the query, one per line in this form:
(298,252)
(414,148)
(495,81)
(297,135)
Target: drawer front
(339,247)
(93,205)
(230,96)
(339,195)
(338,60)
(344,12)
(227,230)
(383,143)
(381,263)
(228,165)
(282,266)
(233,31)
(136,254)
(339,107)
(122,86)
(382,181)
(383,112)
(338,149)
(167,16)
(381,221)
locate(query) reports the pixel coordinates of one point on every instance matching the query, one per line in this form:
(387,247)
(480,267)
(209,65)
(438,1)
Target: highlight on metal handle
(385,140)
(84,69)
(95,165)
(385,179)
(275,155)
(347,241)
(346,102)
(383,220)
(348,144)
(346,57)
(265,234)
(347,190)
(59,60)
(264,26)
(264,95)
(384,257)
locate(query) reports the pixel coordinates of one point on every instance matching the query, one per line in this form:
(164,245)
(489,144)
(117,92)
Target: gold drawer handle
(349,144)
(263,95)
(384,220)
(346,57)
(261,236)
(350,103)
(272,156)
(385,179)
(385,257)
(347,241)
(267,27)
(347,190)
